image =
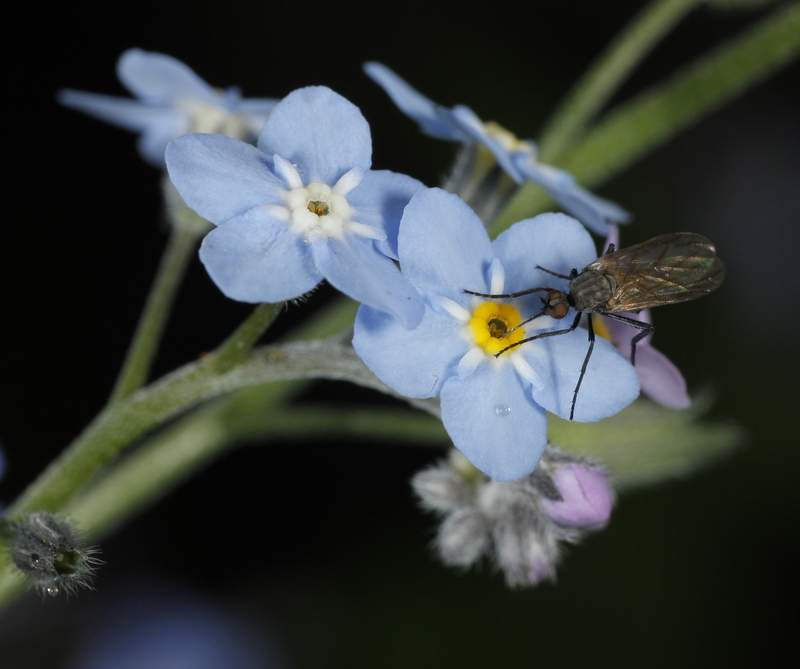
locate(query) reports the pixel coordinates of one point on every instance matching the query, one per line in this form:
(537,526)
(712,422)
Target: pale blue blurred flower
(493,407)
(167,628)
(518,158)
(170,101)
(302,207)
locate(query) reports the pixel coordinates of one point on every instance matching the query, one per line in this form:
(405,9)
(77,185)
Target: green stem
(641,125)
(186,228)
(179,451)
(174,455)
(663,111)
(236,347)
(136,367)
(120,425)
(604,77)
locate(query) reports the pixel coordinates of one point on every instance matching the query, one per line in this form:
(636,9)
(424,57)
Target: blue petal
(379,201)
(156,137)
(260,107)
(493,421)
(256,111)
(609,385)
(320,132)
(414,362)
(553,241)
(593,211)
(660,379)
(122,112)
(443,246)
(476,130)
(220,177)
(256,258)
(433,119)
(158,79)
(355,267)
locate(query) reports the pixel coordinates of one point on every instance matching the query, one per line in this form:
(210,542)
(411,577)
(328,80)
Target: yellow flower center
(490,326)
(600,328)
(508,140)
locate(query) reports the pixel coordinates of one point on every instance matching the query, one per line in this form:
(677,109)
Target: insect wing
(671,268)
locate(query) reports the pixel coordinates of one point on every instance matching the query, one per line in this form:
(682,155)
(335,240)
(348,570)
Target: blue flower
(302,207)
(492,407)
(171,101)
(516,157)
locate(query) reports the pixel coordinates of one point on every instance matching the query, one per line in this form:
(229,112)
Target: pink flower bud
(586,497)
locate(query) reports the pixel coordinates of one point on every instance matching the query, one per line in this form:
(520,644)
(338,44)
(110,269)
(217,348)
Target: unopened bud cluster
(518,526)
(51,553)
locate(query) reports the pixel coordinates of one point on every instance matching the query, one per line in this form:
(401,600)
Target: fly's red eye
(552,296)
(555,304)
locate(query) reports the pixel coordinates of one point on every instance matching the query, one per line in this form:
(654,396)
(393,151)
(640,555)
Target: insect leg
(569,276)
(646,329)
(543,334)
(583,368)
(507,295)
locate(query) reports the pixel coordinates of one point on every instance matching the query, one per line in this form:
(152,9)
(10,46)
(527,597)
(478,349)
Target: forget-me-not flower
(518,158)
(493,407)
(301,207)
(660,379)
(171,100)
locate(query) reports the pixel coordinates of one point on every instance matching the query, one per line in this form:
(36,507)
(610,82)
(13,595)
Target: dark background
(317,551)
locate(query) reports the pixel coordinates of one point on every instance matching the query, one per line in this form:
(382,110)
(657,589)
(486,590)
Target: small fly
(672,268)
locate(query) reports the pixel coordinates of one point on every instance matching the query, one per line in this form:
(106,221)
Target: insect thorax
(591,290)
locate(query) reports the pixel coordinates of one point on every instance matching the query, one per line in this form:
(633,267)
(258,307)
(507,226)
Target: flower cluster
(518,526)
(445,311)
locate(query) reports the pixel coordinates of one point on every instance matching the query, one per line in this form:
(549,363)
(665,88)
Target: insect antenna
(573,273)
(507,295)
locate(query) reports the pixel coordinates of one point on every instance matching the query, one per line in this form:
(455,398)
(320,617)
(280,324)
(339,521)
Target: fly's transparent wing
(671,268)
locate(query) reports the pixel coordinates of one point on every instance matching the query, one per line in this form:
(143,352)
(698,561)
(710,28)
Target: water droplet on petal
(502,410)
(52,590)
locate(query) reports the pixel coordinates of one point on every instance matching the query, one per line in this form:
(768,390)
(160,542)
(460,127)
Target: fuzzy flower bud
(463,538)
(51,553)
(526,544)
(448,486)
(518,526)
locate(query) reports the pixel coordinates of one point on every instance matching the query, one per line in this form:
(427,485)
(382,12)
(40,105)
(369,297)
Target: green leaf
(646,444)
(636,128)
